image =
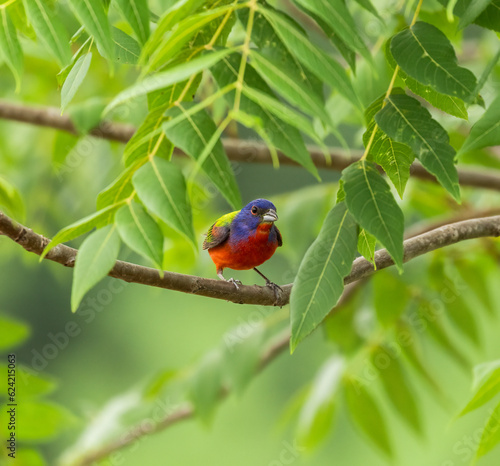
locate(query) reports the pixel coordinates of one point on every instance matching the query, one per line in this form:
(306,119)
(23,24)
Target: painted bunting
(244,239)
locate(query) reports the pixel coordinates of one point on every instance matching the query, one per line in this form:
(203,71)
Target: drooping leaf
(96,257)
(82,226)
(473,10)
(93,16)
(366,415)
(366,245)
(320,279)
(12,332)
(11,200)
(389,310)
(489,18)
(136,12)
(397,387)
(282,135)
(161,187)
(49,29)
(426,54)
(192,134)
(368,6)
(486,131)
(140,232)
(372,204)
(317,412)
(312,57)
(75,79)
(338,17)
(85,48)
(10,48)
(486,384)
(405,120)
(173,75)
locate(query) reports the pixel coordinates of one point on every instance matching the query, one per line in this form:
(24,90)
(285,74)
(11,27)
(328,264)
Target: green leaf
(12,332)
(192,134)
(449,104)
(317,61)
(491,434)
(96,257)
(486,383)
(317,412)
(161,187)
(29,457)
(366,245)
(206,386)
(11,200)
(75,79)
(473,10)
(320,279)
(161,381)
(372,204)
(10,48)
(396,386)
(32,384)
(366,415)
(486,131)
(136,12)
(426,54)
(82,226)
(368,6)
(49,29)
(489,18)
(406,121)
(92,15)
(164,79)
(282,79)
(56,420)
(389,310)
(127,50)
(84,49)
(338,17)
(140,232)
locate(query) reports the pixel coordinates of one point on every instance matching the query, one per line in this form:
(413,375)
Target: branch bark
(237,150)
(261,295)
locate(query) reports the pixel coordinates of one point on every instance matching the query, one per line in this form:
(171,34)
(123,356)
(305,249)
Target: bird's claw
(234,282)
(275,289)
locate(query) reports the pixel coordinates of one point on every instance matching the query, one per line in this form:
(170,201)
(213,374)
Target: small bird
(244,239)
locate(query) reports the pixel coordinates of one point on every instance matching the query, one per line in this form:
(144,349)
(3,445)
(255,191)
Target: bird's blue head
(255,213)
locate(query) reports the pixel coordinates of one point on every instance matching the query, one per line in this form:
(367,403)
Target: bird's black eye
(254,210)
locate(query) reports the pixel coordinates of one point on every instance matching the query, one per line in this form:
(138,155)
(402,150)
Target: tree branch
(246,151)
(261,295)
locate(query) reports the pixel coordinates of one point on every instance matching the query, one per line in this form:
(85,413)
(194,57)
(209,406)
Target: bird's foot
(234,282)
(277,291)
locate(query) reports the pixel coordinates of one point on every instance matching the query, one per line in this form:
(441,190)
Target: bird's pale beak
(270,216)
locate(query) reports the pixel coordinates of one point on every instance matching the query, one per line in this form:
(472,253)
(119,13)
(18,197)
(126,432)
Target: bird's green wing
(219,231)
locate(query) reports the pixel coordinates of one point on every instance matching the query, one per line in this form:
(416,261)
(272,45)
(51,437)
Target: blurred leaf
(318,62)
(489,18)
(92,15)
(29,457)
(81,226)
(140,232)
(192,134)
(475,276)
(426,54)
(406,121)
(49,29)
(136,12)
(86,115)
(486,384)
(75,79)
(397,388)
(473,10)
(206,386)
(161,187)
(366,415)
(366,245)
(320,279)
(127,50)
(372,204)
(338,17)
(96,257)
(491,434)
(10,48)
(368,6)
(56,420)
(12,332)
(317,411)
(157,385)
(173,75)
(386,285)
(11,200)
(486,131)
(30,383)
(243,348)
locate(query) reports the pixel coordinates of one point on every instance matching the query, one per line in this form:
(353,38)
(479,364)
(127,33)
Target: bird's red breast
(246,253)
